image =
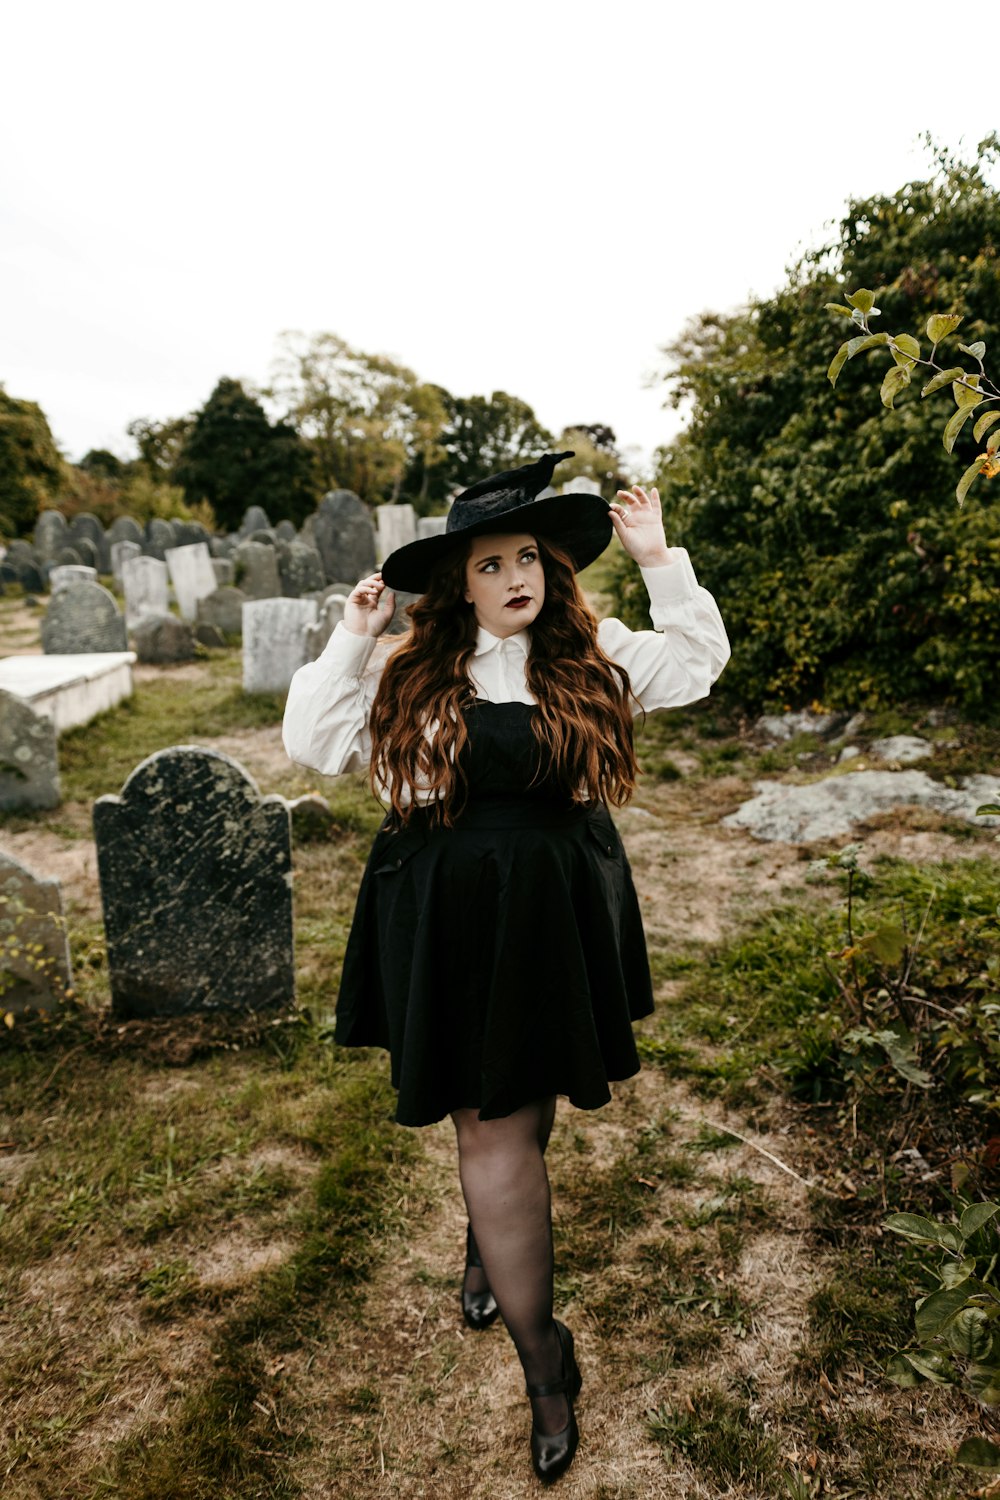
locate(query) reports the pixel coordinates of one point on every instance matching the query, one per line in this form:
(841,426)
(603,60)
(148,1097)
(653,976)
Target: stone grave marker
(397,526)
(50,533)
(274,642)
(192,575)
(344,536)
(330,615)
(195,872)
(144,581)
(29,765)
(223,609)
(300,569)
(81,618)
(256,570)
(120,554)
(431,526)
(61,575)
(34,951)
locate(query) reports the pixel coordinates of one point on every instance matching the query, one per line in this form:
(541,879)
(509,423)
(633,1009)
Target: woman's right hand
(370,607)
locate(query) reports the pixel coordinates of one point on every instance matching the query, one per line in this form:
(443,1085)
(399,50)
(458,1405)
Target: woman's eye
(529,556)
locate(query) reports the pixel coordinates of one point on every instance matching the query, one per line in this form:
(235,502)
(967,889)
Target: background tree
(31,468)
(596,456)
(233,457)
(484,436)
(825,525)
(160,444)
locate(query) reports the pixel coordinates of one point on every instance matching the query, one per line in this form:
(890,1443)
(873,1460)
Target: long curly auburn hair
(584,723)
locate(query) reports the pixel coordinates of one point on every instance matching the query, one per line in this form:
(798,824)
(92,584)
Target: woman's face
(504,581)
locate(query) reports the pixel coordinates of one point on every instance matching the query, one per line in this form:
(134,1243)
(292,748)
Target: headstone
(254,519)
(61,575)
(400,621)
(195,872)
(87,528)
(144,581)
(69,557)
(223,569)
(34,952)
(397,527)
(162,639)
(431,526)
(83,618)
(50,533)
(209,635)
(121,552)
(125,529)
(28,574)
(330,615)
(223,609)
(223,546)
(159,536)
(188,533)
(285,531)
(256,570)
(344,535)
(274,642)
(89,553)
(29,767)
(260,535)
(581,486)
(300,569)
(190,569)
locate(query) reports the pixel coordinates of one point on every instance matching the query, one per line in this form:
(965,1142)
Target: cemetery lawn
(225,1272)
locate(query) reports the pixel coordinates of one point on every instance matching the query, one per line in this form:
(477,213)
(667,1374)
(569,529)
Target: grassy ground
(225,1272)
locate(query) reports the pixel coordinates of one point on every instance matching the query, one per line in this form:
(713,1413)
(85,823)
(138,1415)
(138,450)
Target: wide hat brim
(579,524)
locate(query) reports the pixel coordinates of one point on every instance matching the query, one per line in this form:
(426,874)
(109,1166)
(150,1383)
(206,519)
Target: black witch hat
(580,524)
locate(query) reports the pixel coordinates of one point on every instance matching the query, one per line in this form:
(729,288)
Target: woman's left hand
(639,526)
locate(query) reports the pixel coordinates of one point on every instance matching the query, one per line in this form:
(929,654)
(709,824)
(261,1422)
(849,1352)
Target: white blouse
(329,700)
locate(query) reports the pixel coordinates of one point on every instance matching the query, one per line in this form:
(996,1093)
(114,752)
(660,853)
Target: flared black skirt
(499,961)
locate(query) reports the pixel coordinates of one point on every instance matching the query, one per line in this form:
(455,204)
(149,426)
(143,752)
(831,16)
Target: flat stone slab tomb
(69,689)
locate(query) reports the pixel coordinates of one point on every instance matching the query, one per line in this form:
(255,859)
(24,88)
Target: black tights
(501,1164)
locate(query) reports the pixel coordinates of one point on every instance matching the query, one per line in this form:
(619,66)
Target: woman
(497,948)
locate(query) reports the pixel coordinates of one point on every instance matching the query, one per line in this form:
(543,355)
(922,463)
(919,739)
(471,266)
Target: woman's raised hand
(369,608)
(639,526)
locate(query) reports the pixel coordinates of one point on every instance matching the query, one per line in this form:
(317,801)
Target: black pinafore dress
(502,960)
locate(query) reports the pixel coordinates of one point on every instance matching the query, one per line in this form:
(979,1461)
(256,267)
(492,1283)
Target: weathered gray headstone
(83,617)
(188,533)
(89,553)
(121,552)
(61,575)
(254,519)
(159,536)
(69,557)
(581,486)
(144,581)
(209,635)
(274,642)
(29,766)
(256,570)
(191,573)
(223,609)
(285,531)
(87,528)
(260,535)
(300,569)
(50,533)
(223,569)
(34,951)
(195,872)
(161,639)
(397,527)
(344,535)
(330,615)
(125,529)
(431,526)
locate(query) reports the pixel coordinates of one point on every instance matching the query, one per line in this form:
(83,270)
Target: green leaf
(905,350)
(853,346)
(886,943)
(965,483)
(979,1453)
(943,378)
(901,1372)
(969,1335)
(988,810)
(914,1227)
(985,1382)
(863,300)
(992,442)
(838,307)
(901,1052)
(955,1272)
(937,1310)
(895,379)
(977,350)
(984,424)
(967,392)
(975,1216)
(939,325)
(954,427)
(932,1365)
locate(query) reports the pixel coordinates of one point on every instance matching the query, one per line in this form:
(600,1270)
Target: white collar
(486,641)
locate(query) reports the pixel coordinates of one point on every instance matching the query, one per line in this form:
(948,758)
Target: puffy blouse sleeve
(678,660)
(326,714)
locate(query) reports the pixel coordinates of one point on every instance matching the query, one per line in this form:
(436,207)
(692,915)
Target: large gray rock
(256,570)
(778,727)
(829,809)
(223,609)
(344,536)
(163,639)
(145,585)
(192,575)
(300,569)
(274,642)
(34,951)
(84,617)
(195,872)
(904,749)
(29,766)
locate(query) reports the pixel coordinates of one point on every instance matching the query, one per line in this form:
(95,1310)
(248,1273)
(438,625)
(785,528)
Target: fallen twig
(755,1146)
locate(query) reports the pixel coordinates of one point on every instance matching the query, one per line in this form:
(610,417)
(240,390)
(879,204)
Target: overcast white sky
(522,196)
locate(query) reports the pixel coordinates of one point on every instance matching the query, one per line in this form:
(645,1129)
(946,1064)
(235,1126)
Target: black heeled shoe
(552,1452)
(478,1308)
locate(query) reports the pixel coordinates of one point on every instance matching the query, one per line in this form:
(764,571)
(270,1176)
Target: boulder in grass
(163,639)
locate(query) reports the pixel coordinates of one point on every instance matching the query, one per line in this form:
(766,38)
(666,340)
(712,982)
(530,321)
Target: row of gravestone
(196,892)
